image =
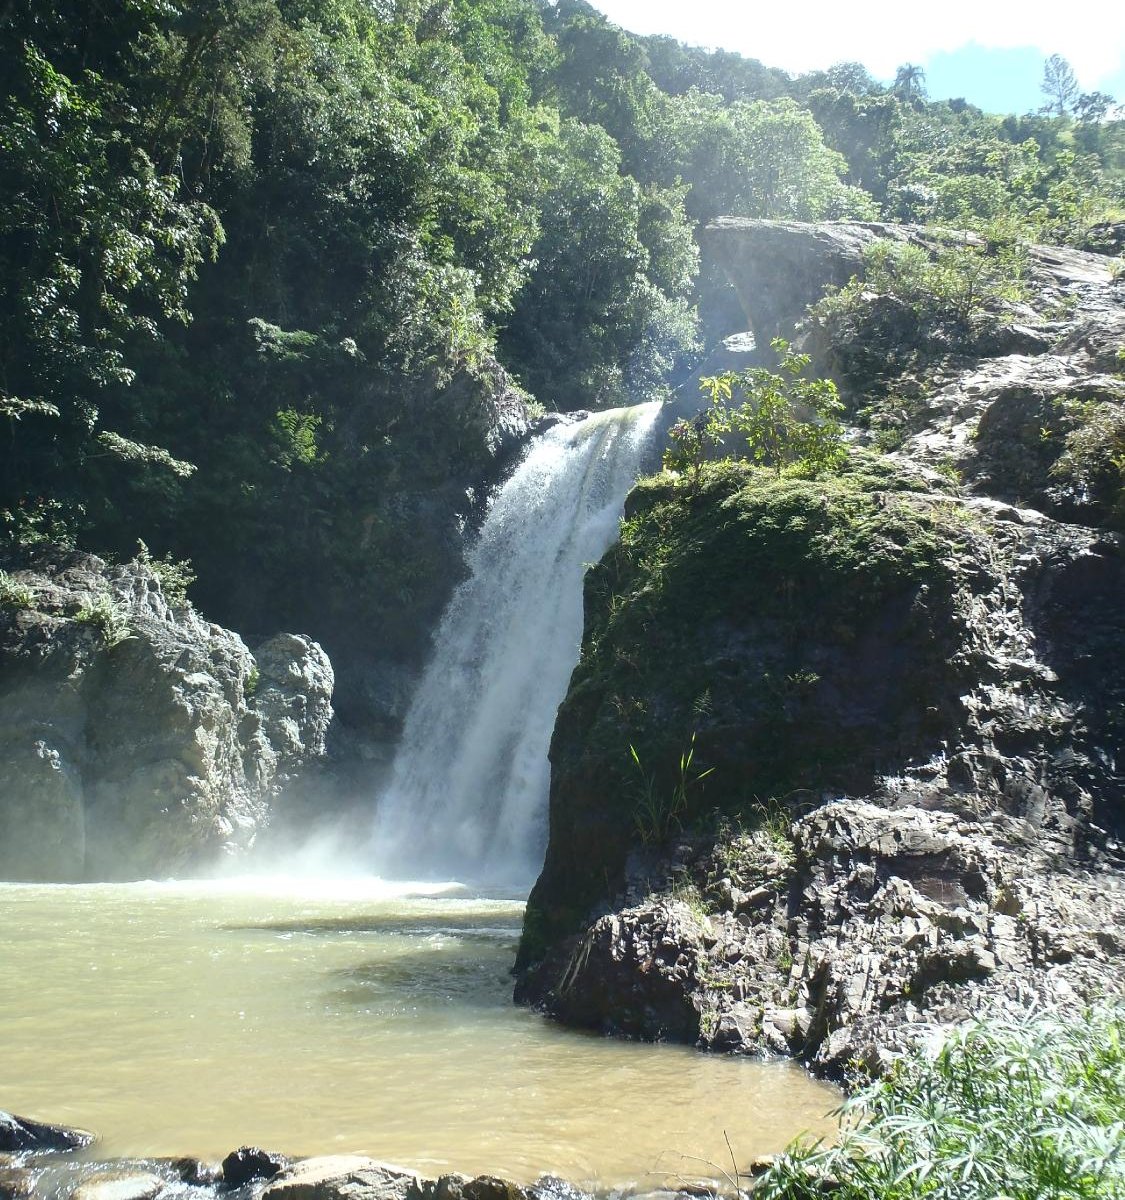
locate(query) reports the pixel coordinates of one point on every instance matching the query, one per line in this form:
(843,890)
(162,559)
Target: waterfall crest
(468,790)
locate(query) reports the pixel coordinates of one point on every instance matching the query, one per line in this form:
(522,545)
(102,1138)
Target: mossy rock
(790,636)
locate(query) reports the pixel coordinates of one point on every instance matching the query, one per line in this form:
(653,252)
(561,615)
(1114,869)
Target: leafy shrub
(784,419)
(960,278)
(1091,468)
(175,577)
(1023,1110)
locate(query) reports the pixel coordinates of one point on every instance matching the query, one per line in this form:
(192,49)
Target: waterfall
(468,791)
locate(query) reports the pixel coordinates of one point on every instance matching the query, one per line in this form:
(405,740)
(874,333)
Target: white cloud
(804,35)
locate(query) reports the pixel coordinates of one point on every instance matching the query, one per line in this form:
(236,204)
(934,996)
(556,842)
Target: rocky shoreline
(37,1163)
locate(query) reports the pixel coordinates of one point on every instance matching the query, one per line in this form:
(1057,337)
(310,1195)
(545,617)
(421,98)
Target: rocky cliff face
(905,682)
(136,738)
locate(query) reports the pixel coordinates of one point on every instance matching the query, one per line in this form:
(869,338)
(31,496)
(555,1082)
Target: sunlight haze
(882,36)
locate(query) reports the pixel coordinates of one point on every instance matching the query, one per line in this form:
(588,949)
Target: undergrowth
(1017,1110)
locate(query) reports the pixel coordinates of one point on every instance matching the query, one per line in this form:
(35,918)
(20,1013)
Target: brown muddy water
(361,1017)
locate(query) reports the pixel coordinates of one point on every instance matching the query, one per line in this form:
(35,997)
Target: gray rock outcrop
(137,738)
(956,744)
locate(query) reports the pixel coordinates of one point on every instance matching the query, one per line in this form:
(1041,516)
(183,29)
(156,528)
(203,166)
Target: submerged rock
(119,1185)
(136,738)
(195,1171)
(16,1183)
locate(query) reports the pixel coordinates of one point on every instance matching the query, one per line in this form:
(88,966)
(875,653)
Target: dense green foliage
(1022,1110)
(962,277)
(264,263)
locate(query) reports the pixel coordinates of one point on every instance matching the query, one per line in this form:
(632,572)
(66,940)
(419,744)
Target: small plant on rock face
(13,594)
(106,615)
(658,813)
(253,682)
(175,577)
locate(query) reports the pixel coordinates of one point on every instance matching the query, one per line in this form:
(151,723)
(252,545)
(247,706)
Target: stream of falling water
(468,793)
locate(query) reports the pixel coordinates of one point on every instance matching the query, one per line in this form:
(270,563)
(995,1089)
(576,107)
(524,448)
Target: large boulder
(136,737)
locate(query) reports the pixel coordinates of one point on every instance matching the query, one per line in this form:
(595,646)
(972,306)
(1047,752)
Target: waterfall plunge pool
(357,1017)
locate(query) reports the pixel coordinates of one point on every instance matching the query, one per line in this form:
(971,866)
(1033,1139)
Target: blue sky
(989,51)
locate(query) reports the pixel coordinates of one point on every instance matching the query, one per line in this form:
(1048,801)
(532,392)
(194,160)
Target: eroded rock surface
(136,737)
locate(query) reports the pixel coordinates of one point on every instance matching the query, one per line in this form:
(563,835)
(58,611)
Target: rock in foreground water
(18,1135)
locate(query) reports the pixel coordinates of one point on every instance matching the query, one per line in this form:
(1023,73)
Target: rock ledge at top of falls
(779,268)
(136,738)
(908,678)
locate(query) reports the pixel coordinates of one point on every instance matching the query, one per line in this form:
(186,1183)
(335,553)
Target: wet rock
(633,973)
(446,1187)
(1107,237)
(195,1171)
(550,1187)
(119,1185)
(19,1135)
(250,1162)
(15,1183)
(344,1177)
(294,697)
(490,1187)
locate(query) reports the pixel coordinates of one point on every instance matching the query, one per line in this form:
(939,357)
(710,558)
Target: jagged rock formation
(136,738)
(922,661)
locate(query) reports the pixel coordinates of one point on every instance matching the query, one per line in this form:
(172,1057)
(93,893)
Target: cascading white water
(468,790)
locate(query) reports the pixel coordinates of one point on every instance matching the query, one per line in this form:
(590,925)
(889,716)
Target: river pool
(355,1017)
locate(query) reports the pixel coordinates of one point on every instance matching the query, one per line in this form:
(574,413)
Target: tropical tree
(1059,86)
(910,83)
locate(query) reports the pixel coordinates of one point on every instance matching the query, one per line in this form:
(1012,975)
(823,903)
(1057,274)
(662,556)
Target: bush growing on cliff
(106,615)
(1024,1110)
(784,419)
(175,577)
(953,282)
(13,594)
(1091,468)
